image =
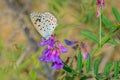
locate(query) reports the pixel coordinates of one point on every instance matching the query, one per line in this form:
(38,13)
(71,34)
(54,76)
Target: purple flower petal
(86,56)
(45,51)
(51,41)
(54,55)
(42,43)
(63,49)
(57,66)
(68,42)
(56,58)
(42,58)
(45,59)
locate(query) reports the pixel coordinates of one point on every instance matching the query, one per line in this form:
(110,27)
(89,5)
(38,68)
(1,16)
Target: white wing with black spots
(45,23)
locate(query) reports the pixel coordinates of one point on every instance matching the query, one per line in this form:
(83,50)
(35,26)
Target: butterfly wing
(44,23)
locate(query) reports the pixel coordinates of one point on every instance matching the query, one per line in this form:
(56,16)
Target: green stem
(100,28)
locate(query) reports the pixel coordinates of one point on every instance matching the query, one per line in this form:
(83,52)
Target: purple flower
(73,44)
(52,52)
(68,42)
(84,51)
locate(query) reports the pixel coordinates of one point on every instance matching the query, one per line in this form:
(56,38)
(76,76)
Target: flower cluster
(75,45)
(52,52)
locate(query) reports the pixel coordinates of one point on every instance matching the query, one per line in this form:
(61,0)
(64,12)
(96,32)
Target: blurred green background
(19,40)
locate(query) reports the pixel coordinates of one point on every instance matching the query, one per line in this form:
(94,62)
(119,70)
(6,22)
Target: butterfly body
(45,23)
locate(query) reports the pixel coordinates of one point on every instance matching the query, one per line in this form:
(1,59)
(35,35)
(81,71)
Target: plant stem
(100,28)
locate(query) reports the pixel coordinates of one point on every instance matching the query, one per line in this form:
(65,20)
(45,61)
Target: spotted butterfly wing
(45,23)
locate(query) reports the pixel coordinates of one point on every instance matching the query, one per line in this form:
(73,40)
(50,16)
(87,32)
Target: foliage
(83,14)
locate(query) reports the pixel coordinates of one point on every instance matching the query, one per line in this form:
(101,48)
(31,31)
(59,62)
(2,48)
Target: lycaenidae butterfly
(45,23)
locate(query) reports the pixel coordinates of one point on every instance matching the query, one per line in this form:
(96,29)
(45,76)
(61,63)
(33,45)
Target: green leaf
(53,7)
(116,68)
(107,22)
(89,62)
(79,62)
(58,2)
(114,42)
(96,64)
(68,69)
(116,14)
(107,69)
(33,75)
(89,35)
(93,2)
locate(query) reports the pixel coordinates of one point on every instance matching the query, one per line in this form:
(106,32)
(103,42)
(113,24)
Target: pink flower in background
(100,3)
(52,52)
(98,12)
(84,51)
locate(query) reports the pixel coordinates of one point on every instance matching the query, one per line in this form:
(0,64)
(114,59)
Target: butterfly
(45,23)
